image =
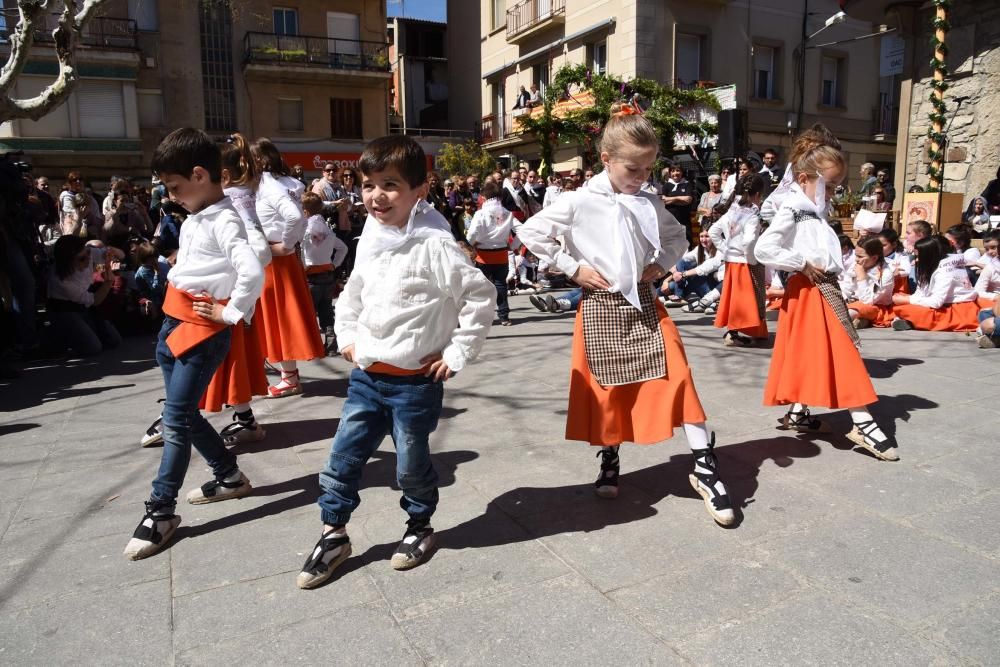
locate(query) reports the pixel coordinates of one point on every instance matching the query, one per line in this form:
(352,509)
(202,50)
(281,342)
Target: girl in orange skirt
(869,286)
(944,299)
(816,360)
(630,380)
(741,308)
(285,310)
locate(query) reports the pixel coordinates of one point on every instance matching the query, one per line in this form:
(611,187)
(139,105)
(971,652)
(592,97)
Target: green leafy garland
(938,85)
(583,126)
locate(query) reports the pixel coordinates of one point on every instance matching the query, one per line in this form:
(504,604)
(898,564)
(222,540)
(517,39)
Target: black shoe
(899,324)
(332,549)
(539,303)
(417,542)
(803,422)
(707,485)
(606,485)
(553,305)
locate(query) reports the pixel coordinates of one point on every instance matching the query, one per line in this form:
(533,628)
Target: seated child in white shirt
(322,253)
(413,312)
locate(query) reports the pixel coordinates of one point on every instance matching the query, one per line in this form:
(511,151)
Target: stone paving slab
(837,558)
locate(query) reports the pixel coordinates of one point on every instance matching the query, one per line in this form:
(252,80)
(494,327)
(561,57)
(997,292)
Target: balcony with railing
(886,121)
(102,32)
(531,16)
(499,127)
(343,55)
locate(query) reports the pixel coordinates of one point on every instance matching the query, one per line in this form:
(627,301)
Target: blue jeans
(22,287)
(989,315)
(497,274)
(407,408)
(699,285)
(574,296)
(86,333)
(186,379)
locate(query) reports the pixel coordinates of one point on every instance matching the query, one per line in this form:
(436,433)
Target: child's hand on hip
(438,369)
(589,278)
(209,310)
(652,272)
(348,353)
(812,273)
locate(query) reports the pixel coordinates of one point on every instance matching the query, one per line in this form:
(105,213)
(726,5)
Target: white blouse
(215,258)
(279,210)
(244,200)
(599,228)
(75,287)
(948,284)
(875,289)
(787,245)
(412,300)
(491,226)
(988,283)
(320,245)
(734,233)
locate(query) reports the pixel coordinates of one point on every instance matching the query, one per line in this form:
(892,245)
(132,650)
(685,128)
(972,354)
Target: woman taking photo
(74,294)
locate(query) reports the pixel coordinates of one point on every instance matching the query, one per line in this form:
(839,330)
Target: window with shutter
(763,72)
(53,124)
(101,108)
(343,32)
(145,14)
(688,58)
(345,118)
(290,114)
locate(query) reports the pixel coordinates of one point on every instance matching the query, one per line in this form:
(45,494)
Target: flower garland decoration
(938,87)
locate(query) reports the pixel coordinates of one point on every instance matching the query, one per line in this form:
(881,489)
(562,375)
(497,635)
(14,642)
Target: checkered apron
(623,345)
(757,277)
(829,288)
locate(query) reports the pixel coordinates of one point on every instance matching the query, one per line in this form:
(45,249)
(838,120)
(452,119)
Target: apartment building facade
(754,45)
(313,75)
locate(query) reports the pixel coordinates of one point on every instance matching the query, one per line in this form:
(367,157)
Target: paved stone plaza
(838,558)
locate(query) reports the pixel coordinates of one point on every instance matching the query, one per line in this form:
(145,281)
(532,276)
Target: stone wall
(973,154)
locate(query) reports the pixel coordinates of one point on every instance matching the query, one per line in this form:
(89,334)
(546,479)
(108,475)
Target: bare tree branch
(66,35)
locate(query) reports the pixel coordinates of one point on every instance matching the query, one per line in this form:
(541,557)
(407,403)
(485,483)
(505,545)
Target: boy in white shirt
(214,284)
(413,312)
(322,253)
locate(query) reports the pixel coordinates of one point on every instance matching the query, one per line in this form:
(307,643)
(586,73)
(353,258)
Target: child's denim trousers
(407,408)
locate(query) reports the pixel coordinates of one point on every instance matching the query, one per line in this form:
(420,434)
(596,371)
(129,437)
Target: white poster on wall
(893,50)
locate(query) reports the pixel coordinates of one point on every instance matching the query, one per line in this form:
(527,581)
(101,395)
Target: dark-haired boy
(413,312)
(214,284)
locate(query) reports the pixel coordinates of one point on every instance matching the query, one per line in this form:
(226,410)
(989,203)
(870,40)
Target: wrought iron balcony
(321,52)
(100,32)
(528,16)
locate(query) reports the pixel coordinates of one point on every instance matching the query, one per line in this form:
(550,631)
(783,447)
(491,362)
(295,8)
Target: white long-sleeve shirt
(734,232)
(491,226)
(586,219)
(244,200)
(787,245)
(75,287)
(215,258)
(279,210)
(988,283)
(875,289)
(320,245)
(420,298)
(712,263)
(552,193)
(948,284)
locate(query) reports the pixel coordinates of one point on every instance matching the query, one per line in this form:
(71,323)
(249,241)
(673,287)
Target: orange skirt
(289,330)
(241,376)
(814,361)
(738,305)
(642,412)
(986,303)
(953,317)
(879,316)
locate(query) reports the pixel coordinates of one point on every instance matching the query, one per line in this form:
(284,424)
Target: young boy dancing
(214,284)
(414,312)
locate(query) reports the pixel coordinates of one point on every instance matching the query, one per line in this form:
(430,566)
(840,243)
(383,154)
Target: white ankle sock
(798,407)
(859,415)
(698,437)
(241,407)
(287,367)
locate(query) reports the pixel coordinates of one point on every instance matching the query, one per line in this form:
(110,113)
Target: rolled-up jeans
(700,285)
(185,379)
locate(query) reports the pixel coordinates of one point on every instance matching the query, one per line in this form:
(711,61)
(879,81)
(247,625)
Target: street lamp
(836,19)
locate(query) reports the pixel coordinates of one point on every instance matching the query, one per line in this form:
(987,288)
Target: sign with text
(893,50)
(317,160)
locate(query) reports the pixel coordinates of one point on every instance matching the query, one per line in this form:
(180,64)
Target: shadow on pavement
(886,368)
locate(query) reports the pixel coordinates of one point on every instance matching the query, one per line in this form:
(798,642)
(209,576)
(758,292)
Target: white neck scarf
(632,211)
(424,222)
(273,187)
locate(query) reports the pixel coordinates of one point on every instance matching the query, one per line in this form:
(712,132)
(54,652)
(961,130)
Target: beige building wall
(464,84)
(642,42)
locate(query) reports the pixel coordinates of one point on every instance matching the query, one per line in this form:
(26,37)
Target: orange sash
(193,329)
(389,369)
(491,256)
(319,268)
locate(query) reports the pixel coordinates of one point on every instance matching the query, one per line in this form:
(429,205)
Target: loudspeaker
(733,140)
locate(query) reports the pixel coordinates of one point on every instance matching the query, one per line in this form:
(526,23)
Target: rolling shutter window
(102,110)
(343,31)
(53,124)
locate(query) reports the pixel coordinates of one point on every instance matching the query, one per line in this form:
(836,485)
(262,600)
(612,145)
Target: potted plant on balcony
(846,203)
